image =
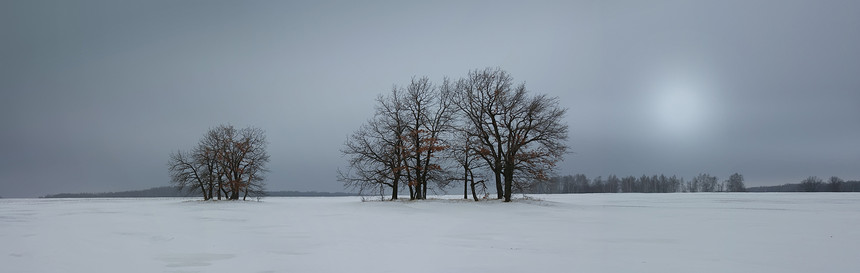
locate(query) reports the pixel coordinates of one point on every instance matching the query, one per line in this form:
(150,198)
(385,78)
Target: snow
(708,232)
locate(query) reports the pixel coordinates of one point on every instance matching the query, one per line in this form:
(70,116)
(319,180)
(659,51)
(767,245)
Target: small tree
(226,162)
(612,183)
(628,183)
(675,184)
(705,182)
(810,184)
(735,183)
(580,183)
(835,184)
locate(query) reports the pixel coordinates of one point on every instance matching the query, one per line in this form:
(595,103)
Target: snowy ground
(559,233)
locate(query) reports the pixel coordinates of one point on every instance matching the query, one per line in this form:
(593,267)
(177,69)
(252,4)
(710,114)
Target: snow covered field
(815,232)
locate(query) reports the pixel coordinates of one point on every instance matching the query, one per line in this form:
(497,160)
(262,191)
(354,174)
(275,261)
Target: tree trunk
(499,192)
(203,189)
(394,188)
(509,182)
(210,191)
(220,188)
(417,150)
(474,194)
(234,191)
(411,192)
(466,183)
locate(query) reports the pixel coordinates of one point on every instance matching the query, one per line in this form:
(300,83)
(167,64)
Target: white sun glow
(681,108)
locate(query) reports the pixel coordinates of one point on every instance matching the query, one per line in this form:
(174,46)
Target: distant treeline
(307,194)
(580,183)
(812,184)
(168,191)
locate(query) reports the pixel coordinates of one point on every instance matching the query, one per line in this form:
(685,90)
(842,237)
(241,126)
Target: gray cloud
(97,93)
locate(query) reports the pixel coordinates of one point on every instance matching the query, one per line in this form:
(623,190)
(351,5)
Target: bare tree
(226,162)
(478,98)
(736,183)
(241,157)
(675,184)
(598,185)
(403,141)
(692,185)
(198,171)
(613,183)
(186,174)
(249,165)
(705,183)
(628,184)
(464,155)
(811,184)
(835,184)
(376,150)
(580,183)
(429,114)
(520,135)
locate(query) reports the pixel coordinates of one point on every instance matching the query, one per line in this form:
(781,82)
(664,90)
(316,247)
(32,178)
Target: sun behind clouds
(683,107)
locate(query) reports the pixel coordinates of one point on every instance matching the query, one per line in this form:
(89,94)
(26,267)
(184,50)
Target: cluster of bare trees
(227,162)
(480,127)
(580,183)
(815,184)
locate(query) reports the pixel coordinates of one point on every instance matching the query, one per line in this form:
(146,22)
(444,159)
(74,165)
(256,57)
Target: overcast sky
(96,94)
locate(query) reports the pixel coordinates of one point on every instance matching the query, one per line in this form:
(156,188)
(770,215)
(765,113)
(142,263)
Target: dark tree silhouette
(835,184)
(521,136)
(403,141)
(462,153)
(735,183)
(428,112)
(810,184)
(226,162)
(518,136)
(376,150)
(705,183)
